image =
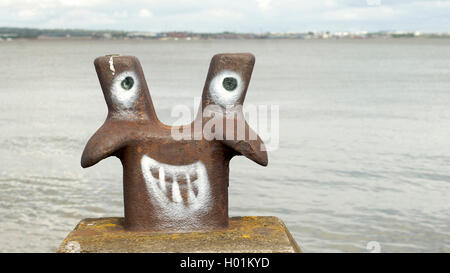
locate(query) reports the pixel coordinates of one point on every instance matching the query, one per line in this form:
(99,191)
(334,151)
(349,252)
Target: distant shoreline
(214,39)
(10,33)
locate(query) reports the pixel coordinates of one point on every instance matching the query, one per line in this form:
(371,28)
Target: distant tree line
(31,33)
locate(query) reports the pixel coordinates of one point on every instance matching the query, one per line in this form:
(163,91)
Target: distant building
(143,35)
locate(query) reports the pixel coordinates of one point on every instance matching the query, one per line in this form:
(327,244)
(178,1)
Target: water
(364,152)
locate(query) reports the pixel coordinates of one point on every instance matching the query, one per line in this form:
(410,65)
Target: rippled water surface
(364,149)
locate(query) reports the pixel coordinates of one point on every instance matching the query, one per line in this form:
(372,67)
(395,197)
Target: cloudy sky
(230,15)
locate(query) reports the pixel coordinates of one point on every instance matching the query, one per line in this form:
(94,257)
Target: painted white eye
(226,88)
(124,89)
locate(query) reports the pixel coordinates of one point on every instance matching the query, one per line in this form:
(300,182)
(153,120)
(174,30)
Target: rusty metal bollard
(174,184)
(176,177)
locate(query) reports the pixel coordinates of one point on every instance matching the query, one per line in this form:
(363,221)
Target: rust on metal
(175,178)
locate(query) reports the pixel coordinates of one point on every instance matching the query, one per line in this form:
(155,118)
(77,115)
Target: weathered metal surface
(174,184)
(245,234)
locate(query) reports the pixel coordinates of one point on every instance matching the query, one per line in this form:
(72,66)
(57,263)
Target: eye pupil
(127,83)
(229,83)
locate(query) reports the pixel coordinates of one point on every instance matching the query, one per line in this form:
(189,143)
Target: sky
(256,16)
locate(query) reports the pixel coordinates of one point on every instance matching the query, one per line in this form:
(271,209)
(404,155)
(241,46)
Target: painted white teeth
(190,192)
(162,179)
(176,195)
(177,187)
(178,191)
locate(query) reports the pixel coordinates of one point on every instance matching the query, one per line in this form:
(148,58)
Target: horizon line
(224,31)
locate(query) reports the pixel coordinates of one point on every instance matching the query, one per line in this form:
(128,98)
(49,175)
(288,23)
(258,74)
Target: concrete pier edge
(248,234)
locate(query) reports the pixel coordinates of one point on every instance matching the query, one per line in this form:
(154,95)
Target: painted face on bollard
(170,184)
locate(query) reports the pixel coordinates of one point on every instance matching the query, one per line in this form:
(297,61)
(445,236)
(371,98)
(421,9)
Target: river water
(363,152)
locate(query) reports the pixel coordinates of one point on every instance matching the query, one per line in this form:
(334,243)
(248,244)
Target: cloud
(51,4)
(358,14)
(120,14)
(225,14)
(330,3)
(80,19)
(264,5)
(145,13)
(27,14)
(235,15)
(78,3)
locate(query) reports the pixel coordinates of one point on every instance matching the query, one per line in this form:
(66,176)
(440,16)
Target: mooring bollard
(176,177)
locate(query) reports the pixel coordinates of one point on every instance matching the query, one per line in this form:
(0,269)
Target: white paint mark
(195,205)
(111,65)
(222,96)
(373,247)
